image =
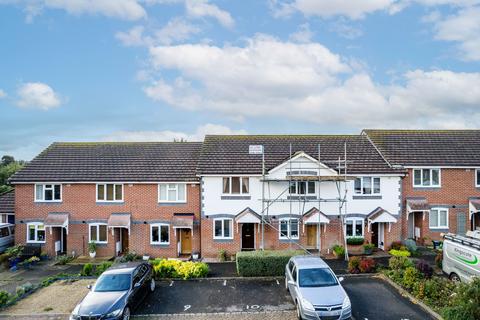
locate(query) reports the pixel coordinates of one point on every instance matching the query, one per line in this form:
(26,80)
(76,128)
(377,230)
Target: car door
(135,296)
(292,285)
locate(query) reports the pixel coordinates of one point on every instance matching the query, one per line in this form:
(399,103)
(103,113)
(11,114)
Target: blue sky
(132,70)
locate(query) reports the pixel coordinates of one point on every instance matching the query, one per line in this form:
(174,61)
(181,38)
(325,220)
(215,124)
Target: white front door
(381,235)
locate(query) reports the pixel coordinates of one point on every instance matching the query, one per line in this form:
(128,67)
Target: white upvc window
(35,232)
(109,192)
(97,232)
(438,218)
(223,228)
(302,187)
(367,186)
(288,229)
(160,233)
(48,193)
(426,178)
(477,178)
(172,192)
(354,227)
(236,185)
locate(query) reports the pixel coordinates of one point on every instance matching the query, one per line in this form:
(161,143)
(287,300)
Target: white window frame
(289,229)
(372,186)
(477,180)
(43,192)
(354,220)
(306,189)
(431,180)
(159,226)
(168,188)
(438,209)
(97,224)
(105,192)
(229,193)
(222,237)
(36,224)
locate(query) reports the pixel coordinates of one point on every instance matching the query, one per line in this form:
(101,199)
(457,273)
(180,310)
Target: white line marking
(224,283)
(186,307)
(171,284)
(278,283)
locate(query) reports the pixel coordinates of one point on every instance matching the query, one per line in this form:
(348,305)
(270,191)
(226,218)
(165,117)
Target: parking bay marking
(186,307)
(278,283)
(171,284)
(224,283)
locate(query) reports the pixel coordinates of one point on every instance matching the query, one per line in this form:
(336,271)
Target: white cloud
(133,37)
(201,8)
(462,28)
(345,29)
(37,95)
(3,94)
(168,135)
(122,9)
(307,82)
(303,34)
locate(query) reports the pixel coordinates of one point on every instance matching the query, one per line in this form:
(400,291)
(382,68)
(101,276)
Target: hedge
(355,241)
(264,263)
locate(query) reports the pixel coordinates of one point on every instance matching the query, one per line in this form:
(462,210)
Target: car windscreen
(316,277)
(113,282)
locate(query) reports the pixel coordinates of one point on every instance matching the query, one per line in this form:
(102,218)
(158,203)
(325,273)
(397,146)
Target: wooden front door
(311,235)
(185,241)
(248,236)
(124,232)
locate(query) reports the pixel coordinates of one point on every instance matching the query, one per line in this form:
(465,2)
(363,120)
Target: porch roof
(417,204)
(312,217)
(56,219)
(119,220)
(474,205)
(381,215)
(184,221)
(248,215)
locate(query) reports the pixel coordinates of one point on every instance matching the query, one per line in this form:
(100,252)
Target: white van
(461,256)
(7,236)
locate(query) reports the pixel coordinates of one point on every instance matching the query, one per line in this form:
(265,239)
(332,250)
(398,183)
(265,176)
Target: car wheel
(126,313)
(152,285)
(454,277)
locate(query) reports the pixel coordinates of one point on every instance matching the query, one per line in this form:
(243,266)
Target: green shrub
(129,257)
(222,255)
(4,297)
(399,253)
(396,245)
(87,269)
(410,277)
(465,303)
(64,259)
(15,251)
(411,245)
(338,250)
(399,263)
(438,291)
(355,240)
(354,265)
(101,268)
(163,268)
(264,263)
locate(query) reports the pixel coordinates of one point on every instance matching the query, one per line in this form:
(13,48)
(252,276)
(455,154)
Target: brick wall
(140,200)
(457,185)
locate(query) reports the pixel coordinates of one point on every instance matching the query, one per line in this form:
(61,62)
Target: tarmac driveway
(372,298)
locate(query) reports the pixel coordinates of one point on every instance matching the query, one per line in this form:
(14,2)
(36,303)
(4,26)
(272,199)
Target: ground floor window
(288,229)
(223,229)
(160,233)
(438,218)
(98,232)
(354,227)
(36,232)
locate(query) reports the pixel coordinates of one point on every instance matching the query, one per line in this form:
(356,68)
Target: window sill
(110,202)
(438,228)
(235,197)
(288,240)
(158,244)
(172,202)
(102,244)
(223,239)
(48,202)
(427,187)
(35,242)
(367,196)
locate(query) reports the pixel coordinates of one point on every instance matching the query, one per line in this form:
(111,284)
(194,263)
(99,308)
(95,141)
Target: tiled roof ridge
(397,131)
(306,136)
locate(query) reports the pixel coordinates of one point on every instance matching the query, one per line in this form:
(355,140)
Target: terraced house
(441,190)
(142,197)
(296,183)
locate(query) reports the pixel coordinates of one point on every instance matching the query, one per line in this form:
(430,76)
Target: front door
(64,240)
(185,241)
(381,236)
(475,222)
(311,236)
(374,228)
(125,245)
(248,236)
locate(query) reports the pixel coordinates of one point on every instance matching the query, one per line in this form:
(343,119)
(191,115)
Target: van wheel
(454,277)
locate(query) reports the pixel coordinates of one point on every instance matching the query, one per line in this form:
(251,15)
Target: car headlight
(346,303)
(74,315)
(114,313)
(307,305)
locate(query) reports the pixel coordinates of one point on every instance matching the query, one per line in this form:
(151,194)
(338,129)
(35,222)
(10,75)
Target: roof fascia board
(104,182)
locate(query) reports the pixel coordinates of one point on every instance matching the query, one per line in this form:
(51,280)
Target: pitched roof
(229,154)
(428,147)
(112,162)
(7,202)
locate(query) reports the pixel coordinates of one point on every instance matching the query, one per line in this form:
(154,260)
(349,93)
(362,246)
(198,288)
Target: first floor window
(236,185)
(354,227)
(367,185)
(98,233)
(289,229)
(302,187)
(36,232)
(426,177)
(438,218)
(172,192)
(223,229)
(109,192)
(477,177)
(48,192)
(160,233)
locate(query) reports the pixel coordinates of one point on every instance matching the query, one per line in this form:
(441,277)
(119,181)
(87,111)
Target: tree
(8,167)
(6,160)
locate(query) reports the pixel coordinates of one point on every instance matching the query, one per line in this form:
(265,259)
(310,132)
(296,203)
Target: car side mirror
(136,285)
(341,279)
(89,287)
(291,282)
